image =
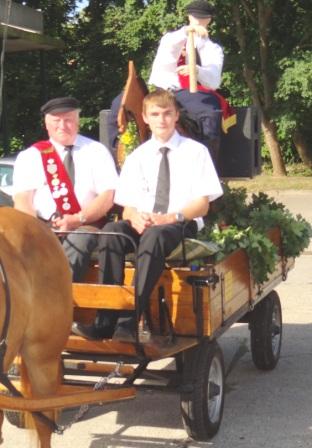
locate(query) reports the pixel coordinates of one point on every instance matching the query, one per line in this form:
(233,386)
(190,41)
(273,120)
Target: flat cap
(58,105)
(200,9)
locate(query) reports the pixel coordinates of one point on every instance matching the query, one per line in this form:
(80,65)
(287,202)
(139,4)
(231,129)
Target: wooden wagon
(189,310)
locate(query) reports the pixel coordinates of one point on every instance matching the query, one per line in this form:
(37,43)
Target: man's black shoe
(91,331)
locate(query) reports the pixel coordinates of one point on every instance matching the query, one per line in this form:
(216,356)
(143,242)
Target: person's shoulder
(29,151)
(88,143)
(179,32)
(138,154)
(141,149)
(189,142)
(214,44)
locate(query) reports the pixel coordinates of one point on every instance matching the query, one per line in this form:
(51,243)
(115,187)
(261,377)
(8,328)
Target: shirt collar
(172,143)
(60,148)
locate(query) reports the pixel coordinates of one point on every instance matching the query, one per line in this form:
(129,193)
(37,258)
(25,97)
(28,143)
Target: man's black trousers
(153,246)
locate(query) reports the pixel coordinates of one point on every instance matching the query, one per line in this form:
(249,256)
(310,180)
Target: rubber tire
(266,332)
(202,415)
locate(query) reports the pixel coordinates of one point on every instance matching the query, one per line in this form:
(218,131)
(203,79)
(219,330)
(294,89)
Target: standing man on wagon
(170,70)
(68,179)
(165,187)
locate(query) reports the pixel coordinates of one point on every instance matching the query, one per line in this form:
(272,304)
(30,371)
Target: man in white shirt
(67,197)
(165,187)
(170,70)
(167,66)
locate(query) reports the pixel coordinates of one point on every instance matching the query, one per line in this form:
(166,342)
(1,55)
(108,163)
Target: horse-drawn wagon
(189,309)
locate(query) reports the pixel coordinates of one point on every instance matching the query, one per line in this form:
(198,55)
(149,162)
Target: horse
(38,279)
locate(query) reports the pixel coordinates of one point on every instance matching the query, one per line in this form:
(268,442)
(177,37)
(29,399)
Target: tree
(25,89)
(294,93)
(260,35)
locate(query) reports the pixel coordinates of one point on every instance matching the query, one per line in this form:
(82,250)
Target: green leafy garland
(235,221)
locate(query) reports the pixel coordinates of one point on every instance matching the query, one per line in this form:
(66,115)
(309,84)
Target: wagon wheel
(202,396)
(266,332)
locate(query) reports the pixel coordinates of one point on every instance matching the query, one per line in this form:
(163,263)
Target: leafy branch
(236,221)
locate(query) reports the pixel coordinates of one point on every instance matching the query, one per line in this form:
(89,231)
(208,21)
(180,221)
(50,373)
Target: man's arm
(194,209)
(94,211)
(23,201)
(140,221)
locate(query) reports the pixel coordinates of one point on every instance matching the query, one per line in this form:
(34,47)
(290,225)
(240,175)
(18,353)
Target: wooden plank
(101,369)
(77,397)
(106,346)
(103,296)
(157,348)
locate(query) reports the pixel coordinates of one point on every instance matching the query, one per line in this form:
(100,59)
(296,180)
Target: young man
(68,176)
(165,187)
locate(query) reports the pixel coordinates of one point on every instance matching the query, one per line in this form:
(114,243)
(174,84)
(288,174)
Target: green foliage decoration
(237,221)
(130,138)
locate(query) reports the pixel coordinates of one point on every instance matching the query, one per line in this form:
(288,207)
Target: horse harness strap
(4,379)
(5,328)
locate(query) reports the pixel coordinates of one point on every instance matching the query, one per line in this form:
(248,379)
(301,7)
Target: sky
(82,4)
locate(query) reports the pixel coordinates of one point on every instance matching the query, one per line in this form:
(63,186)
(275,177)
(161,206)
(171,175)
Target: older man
(68,179)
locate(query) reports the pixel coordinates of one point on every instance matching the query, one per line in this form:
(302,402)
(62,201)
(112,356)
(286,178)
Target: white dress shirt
(164,69)
(192,175)
(95,173)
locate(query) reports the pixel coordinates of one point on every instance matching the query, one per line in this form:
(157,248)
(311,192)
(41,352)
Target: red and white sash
(60,185)
(228,113)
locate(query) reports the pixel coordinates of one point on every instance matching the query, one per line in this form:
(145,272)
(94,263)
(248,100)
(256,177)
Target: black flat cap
(58,105)
(200,9)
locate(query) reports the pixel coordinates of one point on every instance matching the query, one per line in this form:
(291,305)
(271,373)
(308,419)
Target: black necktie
(69,163)
(163,184)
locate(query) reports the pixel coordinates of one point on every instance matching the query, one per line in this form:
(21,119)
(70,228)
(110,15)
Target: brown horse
(39,280)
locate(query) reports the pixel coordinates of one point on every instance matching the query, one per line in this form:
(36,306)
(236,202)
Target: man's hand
(66,222)
(199,30)
(140,221)
(160,219)
(184,69)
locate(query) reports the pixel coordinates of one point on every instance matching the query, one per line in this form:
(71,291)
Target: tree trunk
(262,94)
(269,131)
(302,148)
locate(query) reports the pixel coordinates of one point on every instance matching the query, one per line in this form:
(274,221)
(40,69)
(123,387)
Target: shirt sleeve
(104,171)
(130,183)
(210,71)
(164,69)
(205,180)
(28,171)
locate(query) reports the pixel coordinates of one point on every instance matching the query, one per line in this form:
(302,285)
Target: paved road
(262,409)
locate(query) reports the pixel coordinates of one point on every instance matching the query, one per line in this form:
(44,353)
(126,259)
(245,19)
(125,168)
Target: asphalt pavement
(262,409)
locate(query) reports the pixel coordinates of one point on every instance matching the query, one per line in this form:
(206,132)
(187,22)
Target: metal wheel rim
(215,390)
(276,332)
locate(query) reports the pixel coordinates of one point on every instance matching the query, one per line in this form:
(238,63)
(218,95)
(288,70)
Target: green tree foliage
(294,95)
(269,43)
(26,85)
(135,28)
